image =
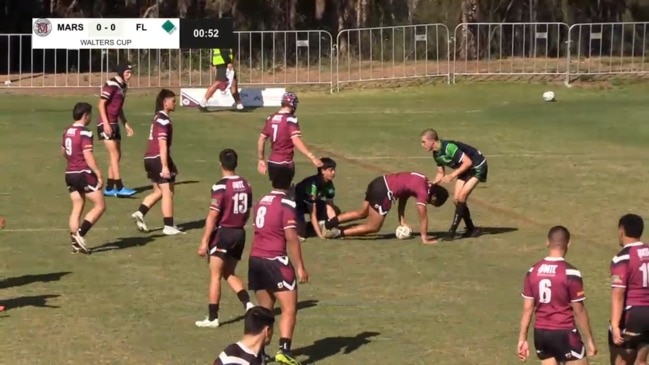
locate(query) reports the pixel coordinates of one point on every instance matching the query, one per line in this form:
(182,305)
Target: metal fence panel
(390,53)
(608,49)
(509,49)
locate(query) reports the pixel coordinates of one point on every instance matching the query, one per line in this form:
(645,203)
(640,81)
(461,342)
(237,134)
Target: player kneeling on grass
(225,235)
(380,194)
(314,196)
(553,290)
(82,176)
(257,333)
(270,272)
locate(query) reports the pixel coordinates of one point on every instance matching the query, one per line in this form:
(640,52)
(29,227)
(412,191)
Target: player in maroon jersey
(629,327)
(270,272)
(553,291)
(111,110)
(82,176)
(159,166)
(380,194)
(2,222)
(283,130)
(225,235)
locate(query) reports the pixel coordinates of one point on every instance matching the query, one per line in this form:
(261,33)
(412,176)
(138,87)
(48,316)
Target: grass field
(580,162)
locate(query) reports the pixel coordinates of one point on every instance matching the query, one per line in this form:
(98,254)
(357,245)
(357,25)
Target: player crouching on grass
(314,196)
(380,195)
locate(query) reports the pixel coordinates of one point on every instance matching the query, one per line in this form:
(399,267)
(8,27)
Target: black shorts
(635,328)
(378,195)
(479,172)
(222,74)
(563,345)
(153,168)
(227,242)
(281,172)
(275,274)
(116,134)
(304,229)
(81,182)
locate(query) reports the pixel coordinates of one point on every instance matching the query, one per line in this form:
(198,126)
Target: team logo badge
(42,27)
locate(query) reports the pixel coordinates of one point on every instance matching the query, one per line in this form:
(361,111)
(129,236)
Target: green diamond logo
(169,27)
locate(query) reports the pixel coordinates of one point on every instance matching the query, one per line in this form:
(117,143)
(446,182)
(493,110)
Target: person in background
(257,333)
(226,77)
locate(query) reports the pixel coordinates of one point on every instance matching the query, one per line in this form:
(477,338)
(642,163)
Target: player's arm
(289,220)
(401,210)
(423,222)
(440,174)
(313,213)
(86,140)
(619,266)
(526,316)
(458,157)
(212,215)
(106,94)
(261,146)
(577,297)
(299,144)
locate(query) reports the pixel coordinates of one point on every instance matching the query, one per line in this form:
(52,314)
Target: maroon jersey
(630,270)
(408,184)
(281,128)
(232,198)
(75,140)
(161,129)
(114,92)
(274,213)
(554,285)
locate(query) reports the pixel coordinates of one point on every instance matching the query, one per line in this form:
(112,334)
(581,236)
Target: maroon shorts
(227,242)
(153,168)
(81,182)
(276,274)
(378,196)
(281,172)
(563,345)
(634,326)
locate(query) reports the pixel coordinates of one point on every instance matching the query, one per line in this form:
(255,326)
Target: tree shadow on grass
(125,242)
(29,301)
(29,279)
(143,188)
(276,311)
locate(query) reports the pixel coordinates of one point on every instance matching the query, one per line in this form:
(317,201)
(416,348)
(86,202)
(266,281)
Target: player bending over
(257,333)
(159,165)
(553,291)
(111,110)
(270,272)
(283,130)
(225,235)
(629,326)
(314,196)
(380,194)
(82,176)
(470,169)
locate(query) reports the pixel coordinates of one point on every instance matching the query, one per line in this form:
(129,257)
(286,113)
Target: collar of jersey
(554,259)
(638,243)
(231,177)
(245,348)
(277,192)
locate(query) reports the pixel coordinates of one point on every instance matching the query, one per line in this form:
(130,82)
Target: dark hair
(440,193)
(256,319)
(430,134)
(327,163)
(162,96)
(559,235)
(229,159)
(281,181)
(80,109)
(632,225)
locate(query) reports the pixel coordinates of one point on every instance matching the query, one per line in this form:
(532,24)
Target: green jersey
(451,154)
(312,189)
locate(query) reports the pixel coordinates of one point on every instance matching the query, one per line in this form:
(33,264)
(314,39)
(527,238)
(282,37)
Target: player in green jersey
(470,168)
(314,197)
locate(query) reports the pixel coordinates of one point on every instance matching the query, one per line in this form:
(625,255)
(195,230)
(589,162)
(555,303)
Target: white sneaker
(249,306)
(81,242)
(206,323)
(332,233)
(239,106)
(171,231)
(138,218)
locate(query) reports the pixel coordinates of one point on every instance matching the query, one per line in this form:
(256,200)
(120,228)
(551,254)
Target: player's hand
(2,222)
(165,173)
(523,349)
(617,335)
(261,167)
(316,161)
(129,130)
(426,240)
(591,348)
(447,179)
(202,249)
(108,130)
(302,275)
(100,183)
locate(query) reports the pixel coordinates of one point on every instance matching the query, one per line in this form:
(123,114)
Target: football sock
(143,209)
(213,310)
(331,223)
(243,296)
(110,184)
(85,227)
(467,218)
(285,344)
(119,185)
(168,221)
(460,210)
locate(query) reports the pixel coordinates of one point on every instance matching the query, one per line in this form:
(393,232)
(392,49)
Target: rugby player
(314,196)
(629,326)
(111,110)
(283,130)
(223,63)
(82,176)
(225,235)
(271,275)
(257,333)
(553,291)
(380,194)
(159,166)
(470,169)
(2,222)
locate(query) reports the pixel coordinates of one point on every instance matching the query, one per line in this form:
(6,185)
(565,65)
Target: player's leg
(288,303)
(214,292)
(360,213)
(460,196)
(373,224)
(78,202)
(233,241)
(235,282)
(220,83)
(234,89)
(148,202)
(332,210)
(114,184)
(167,207)
(641,354)
(98,208)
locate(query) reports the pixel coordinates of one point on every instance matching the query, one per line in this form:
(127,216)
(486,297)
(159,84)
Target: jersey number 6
(545,291)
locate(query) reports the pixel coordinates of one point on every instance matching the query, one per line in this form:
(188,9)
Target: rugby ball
(548,96)
(403,232)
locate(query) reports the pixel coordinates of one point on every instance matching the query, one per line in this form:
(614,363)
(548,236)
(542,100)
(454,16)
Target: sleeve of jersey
(266,131)
(619,266)
(107,91)
(289,218)
(576,285)
(454,153)
(86,140)
(293,126)
(527,292)
(162,129)
(312,194)
(422,194)
(218,190)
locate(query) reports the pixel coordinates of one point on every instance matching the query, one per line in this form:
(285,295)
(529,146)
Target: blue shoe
(111,192)
(125,192)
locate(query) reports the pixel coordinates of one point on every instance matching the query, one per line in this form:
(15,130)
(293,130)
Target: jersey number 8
(545,291)
(260,217)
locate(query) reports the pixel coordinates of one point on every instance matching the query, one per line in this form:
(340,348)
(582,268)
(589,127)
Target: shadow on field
(126,242)
(484,231)
(300,305)
(185,227)
(331,346)
(247,109)
(29,301)
(143,188)
(29,279)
